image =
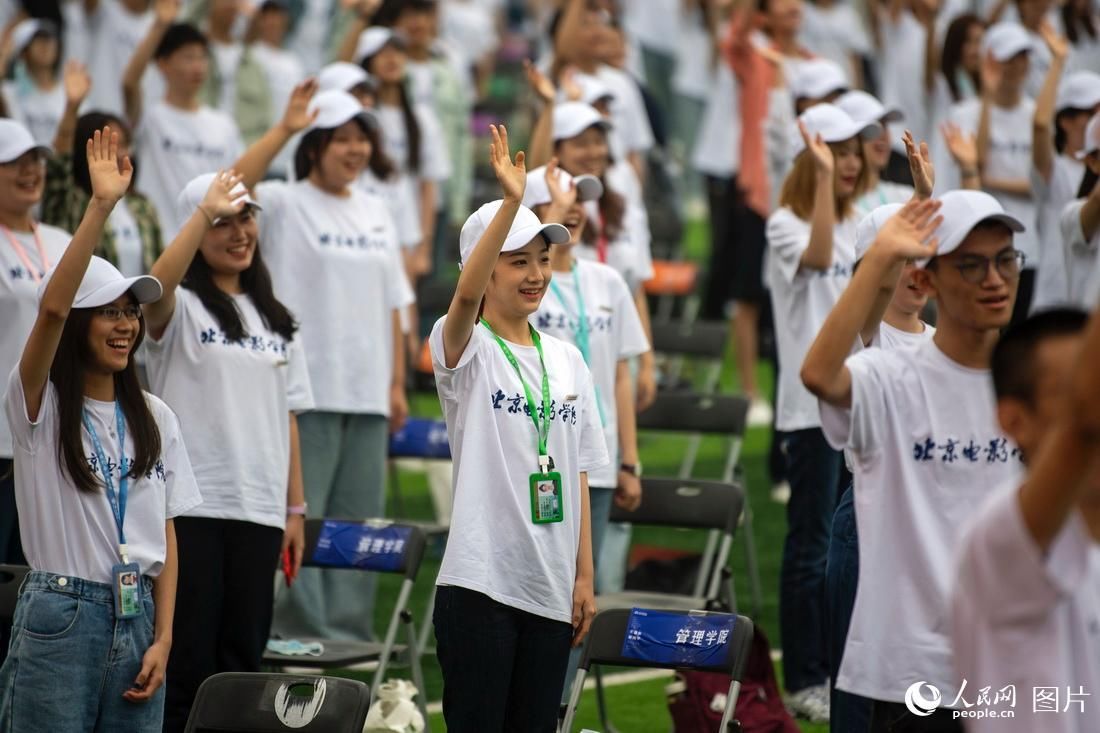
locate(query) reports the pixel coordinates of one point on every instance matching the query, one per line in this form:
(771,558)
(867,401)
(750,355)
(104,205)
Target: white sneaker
(811,703)
(781,492)
(760,413)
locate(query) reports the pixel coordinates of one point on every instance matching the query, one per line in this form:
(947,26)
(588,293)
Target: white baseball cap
(868,227)
(373,39)
(537,192)
(343,76)
(1079,90)
(864,108)
(525,227)
(817,79)
(833,124)
(1092,138)
(335,107)
(15,140)
(25,31)
(1005,40)
(573,118)
(103,284)
(195,190)
(961,212)
(593,89)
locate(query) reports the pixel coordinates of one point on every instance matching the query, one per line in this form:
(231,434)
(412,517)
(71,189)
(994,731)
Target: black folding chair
(326,547)
(248,702)
(607,643)
(704,341)
(11,580)
(720,415)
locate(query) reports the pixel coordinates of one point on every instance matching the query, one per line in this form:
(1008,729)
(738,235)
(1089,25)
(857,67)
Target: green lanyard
(542,427)
(580,333)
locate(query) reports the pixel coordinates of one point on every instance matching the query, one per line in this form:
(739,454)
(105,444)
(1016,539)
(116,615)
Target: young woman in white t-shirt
(222,353)
(102,470)
(1080,227)
(336,262)
(811,250)
(516,583)
(33,93)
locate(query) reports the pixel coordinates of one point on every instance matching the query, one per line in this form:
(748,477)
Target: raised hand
(297,116)
(110,179)
(220,201)
(963,146)
(562,197)
(569,85)
(909,234)
(1059,47)
(823,154)
(77,83)
(920,165)
(512,176)
(540,83)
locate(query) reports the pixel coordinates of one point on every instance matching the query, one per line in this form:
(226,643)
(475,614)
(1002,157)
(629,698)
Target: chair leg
(601,704)
(391,635)
(728,723)
(574,701)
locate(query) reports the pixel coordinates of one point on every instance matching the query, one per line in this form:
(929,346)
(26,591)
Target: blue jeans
(847,712)
(813,470)
(344,468)
(502,667)
(70,660)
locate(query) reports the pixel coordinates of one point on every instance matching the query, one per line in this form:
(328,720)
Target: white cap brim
(952,243)
(145,289)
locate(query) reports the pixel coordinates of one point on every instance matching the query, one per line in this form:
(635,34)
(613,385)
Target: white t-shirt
(891,338)
(434,163)
(718,147)
(39,111)
(227,57)
(628,115)
(336,264)
(801,300)
(1009,159)
(468,26)
(886,192)
(404,209)
(127,239)
(114,34)
(1051,280)
(1027,618)
(655,24)
(233,400)
(176,145)
(694,75)
(1082,264)
(494,548)
(19,300)
(923,434)
(614,333)
(901,64)
(72,532)
(834,33)
(630,253)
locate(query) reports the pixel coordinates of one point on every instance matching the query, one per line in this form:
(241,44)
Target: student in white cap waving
(516,584)
(27,251)
(220,331)
(336,263)
(811,250)
(102,469)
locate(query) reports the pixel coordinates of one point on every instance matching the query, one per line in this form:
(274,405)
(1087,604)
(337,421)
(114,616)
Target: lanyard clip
(124,553)
(544,464)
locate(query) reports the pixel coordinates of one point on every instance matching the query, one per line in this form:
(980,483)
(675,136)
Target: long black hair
(313,145)
(412,125)
(1088,182)
(70,364)
(1075,22)
(86,127)
(951,59)
(256,284)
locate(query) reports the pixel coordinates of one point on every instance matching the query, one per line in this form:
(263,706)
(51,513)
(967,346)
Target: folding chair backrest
(689,412)
(274,703)
(11,579)
(701,339)
(372,545)
(421,438)
(686,503)
(608,633)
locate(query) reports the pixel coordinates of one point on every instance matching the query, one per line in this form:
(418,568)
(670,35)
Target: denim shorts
(70,660)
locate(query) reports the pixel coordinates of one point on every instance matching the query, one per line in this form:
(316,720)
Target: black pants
(893,717)
(503,669)
(223,605)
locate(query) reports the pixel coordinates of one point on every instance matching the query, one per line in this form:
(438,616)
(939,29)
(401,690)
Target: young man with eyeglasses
(921,429)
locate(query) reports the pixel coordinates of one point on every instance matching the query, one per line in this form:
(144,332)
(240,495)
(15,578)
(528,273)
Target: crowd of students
(220,347)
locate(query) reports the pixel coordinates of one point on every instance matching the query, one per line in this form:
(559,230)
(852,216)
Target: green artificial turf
(638,707)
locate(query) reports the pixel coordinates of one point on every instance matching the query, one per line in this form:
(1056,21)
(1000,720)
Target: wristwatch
(632,468)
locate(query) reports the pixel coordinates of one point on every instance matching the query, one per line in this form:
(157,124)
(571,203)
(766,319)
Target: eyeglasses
(114,313)
(974,268)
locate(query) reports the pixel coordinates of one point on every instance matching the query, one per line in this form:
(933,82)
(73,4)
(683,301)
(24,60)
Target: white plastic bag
(393,710)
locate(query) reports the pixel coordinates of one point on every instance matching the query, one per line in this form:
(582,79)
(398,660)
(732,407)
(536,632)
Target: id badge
(127,587)
(546,498)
